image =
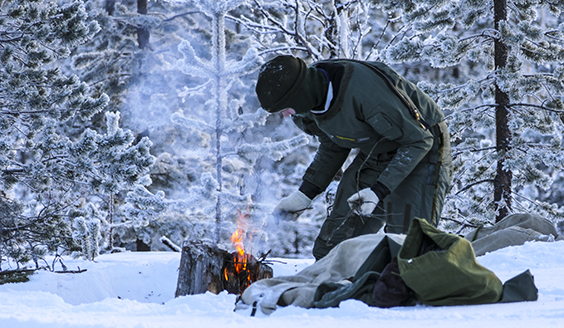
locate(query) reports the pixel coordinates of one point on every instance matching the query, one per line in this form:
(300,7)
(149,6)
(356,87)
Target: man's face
(287,112)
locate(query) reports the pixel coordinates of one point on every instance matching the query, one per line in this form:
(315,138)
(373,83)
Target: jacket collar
(339,73)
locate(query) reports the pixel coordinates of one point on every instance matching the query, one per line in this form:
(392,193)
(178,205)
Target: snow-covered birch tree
(504,104)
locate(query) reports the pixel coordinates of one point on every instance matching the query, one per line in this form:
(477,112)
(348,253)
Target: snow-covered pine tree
(235,149)
(108,61)
(145,85)
(51,167)
(504,104)
(87,234)
(35,98)
(139,76)
(118,164)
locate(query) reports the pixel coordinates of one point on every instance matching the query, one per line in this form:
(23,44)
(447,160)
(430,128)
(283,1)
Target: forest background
(131,124)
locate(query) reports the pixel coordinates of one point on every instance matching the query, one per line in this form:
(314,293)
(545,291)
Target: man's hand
(363,202)
(292,206)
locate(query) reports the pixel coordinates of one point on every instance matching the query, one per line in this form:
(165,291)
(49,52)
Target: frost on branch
(274,150)
(404,51)
(192,64)
(186,122)
(87,234)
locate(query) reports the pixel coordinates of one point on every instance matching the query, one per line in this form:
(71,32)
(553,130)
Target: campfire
(206,267)
(242,268)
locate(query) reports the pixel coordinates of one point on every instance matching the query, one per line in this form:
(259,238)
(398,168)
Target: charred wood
(206,267)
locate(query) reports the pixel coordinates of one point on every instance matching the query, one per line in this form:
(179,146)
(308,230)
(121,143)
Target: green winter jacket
(375,110)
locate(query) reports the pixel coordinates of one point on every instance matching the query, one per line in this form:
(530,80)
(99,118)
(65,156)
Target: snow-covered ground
(137,290)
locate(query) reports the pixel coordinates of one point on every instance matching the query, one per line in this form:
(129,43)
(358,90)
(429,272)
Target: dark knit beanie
(279,81)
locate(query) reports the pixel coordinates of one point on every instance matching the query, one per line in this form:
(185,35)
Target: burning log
(242,269)
(204,266)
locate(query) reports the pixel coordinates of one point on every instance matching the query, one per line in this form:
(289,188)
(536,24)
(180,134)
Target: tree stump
(206,267)
(201,263)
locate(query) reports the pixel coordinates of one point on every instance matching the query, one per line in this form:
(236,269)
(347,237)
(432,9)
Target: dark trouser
(420,195)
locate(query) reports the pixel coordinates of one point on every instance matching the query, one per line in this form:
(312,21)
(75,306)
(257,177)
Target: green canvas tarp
(436,267)
(442,269)
(439,268)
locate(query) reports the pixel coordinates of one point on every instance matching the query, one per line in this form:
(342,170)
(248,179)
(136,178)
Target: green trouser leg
(342,223)
(420,195)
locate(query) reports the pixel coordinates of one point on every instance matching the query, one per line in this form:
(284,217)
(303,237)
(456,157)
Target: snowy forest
(131,124)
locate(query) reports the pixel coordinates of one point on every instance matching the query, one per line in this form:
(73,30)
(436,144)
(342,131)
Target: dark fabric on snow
(366,280)
(390,290)
(520,288)
(332,294)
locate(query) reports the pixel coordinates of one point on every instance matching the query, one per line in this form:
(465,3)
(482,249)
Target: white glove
(294,204)
(364,202)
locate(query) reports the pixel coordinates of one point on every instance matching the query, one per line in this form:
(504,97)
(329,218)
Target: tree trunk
(332,34)
(111,212)
(140,246)
(110,6)
(200,269)
(502,182)
(220,104)
(142,32)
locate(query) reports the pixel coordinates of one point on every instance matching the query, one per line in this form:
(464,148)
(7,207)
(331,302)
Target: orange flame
(237,240)
(240,258)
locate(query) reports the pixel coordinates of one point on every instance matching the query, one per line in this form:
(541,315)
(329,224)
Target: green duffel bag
(441,268)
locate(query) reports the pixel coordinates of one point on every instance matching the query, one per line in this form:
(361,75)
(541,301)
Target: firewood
(201,263)
(206,267)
